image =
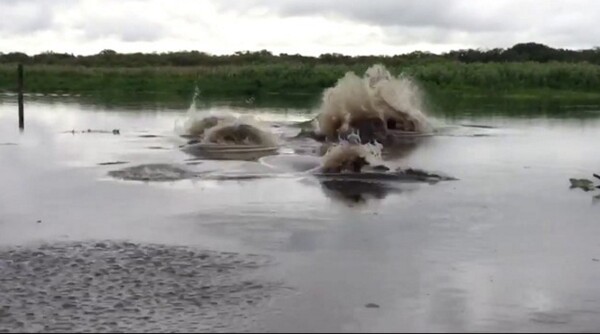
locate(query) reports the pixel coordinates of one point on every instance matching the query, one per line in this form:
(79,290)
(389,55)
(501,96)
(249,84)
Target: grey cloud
(433,24)
(124,20)
(25,16)
(426,13)
(499,23)
(21,17)
(128,29)
(438,13)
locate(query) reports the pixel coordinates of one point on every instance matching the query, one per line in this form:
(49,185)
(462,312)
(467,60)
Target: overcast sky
(309,27)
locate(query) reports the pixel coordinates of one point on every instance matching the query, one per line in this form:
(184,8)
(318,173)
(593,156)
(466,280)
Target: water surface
(507,247)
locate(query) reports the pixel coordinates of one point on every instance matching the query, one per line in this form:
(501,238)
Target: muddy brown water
(507,247)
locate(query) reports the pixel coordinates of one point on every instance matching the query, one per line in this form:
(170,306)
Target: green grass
(517,80)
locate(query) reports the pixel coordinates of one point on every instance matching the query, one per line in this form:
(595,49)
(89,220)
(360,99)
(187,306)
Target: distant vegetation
(524,69)
(524,52)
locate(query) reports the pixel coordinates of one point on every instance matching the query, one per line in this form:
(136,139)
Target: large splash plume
(374,103)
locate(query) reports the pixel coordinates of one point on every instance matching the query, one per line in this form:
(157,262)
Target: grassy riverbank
(506,79)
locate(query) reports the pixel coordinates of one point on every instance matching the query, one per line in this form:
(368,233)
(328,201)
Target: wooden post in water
(20,92)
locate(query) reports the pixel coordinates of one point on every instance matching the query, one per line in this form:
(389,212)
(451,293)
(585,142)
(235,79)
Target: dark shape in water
(112,163)
(153,172)
(478,126)
(372,305)
(422,175)
(355,191)
(408,175)
(358,188)
(114,131)
(355,166)
(370,130)
(583,184)
(312,165)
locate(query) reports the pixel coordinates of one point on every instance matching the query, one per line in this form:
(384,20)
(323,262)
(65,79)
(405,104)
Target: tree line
(523,52)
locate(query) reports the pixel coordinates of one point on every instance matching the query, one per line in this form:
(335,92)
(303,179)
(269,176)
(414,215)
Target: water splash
(351,156)
(223,133)
(196,97)
(238,132)
(193,113)
(387,102)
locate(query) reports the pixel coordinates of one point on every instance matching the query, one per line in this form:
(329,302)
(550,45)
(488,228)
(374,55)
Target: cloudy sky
(309,27)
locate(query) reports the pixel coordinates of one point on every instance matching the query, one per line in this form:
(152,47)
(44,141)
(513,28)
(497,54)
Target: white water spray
(343,154)
(396,101)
